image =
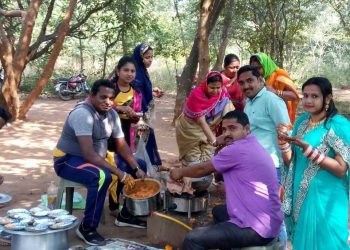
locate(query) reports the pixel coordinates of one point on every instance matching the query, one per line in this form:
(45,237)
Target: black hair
(247,68)
(326,89)
(229,58)
(241,117)
(214,78)
(254,58)
(101,82)
(5,115)
(122,61)
(144,49)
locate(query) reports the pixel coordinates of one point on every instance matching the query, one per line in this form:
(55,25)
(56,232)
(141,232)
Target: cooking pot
(143,206)
(198,184)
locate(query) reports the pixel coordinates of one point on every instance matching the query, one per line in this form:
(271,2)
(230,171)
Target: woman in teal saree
(317,158)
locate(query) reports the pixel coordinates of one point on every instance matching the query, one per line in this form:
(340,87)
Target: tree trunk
(185,82)
(14,61)
(81,54)
(203,35)
(22,48)
(184,44)
(47,72)
(226,29)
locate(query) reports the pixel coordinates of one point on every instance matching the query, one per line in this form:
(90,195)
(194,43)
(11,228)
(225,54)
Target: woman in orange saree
(278,81)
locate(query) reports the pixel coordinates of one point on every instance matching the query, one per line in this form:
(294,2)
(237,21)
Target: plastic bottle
(52,195)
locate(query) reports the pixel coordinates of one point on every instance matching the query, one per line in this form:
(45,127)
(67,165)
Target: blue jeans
(222,235)
(96,179)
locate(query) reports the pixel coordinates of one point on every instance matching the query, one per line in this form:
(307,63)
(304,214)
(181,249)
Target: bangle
(285,150)
(307,151)
(320,158)
(213,143)
(284,146)
(137,167)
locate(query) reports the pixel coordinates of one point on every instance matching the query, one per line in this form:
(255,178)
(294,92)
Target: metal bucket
(143,207)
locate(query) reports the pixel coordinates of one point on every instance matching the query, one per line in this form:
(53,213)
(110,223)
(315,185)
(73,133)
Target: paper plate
(4,199)
(57,212)
(21,216)
(16,226)
(45,221)
(37,228)
(17,211)
(38,211)
(67,217)
(6,220)
(61,225)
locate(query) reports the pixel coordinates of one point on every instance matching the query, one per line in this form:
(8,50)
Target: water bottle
(51,195)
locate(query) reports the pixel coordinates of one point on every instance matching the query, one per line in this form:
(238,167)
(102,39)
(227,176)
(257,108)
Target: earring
(327,106)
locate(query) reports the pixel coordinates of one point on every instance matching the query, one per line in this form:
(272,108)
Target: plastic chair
(68,186)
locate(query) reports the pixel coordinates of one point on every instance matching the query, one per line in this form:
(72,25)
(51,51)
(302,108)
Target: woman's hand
(128,111)
(140,174)
(269,88)
(282,133)
(157,92)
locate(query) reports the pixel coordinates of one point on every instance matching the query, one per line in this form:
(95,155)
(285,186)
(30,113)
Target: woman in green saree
(317,158)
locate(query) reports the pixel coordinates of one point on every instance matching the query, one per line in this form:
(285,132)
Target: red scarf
(200,103)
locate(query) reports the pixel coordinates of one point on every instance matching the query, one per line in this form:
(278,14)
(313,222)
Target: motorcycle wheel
(63,93)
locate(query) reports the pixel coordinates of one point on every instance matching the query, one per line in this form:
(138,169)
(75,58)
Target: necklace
(311,124)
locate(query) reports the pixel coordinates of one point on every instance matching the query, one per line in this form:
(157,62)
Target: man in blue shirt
(265,111)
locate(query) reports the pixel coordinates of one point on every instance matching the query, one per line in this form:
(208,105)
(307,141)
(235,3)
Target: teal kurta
(316,201)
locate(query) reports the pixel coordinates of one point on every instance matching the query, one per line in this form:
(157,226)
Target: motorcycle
(68,88)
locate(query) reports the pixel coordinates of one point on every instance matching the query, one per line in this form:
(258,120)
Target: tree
(15,56)
(227,27)
(184,83)
(47,72)
(342,7)
(272,26)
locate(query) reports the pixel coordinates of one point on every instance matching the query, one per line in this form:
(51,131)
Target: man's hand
(176,174)
(140,174)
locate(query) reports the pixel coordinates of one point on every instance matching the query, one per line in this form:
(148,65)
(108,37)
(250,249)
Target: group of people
(259,157)
(99,138)
(234,123)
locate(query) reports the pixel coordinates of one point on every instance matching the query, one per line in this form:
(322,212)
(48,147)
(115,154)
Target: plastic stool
(68,186)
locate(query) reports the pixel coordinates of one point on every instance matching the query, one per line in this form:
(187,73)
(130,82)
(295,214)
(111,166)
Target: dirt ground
(26,156)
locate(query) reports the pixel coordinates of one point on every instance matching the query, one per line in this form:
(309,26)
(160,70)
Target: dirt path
(26,156)
(26,159)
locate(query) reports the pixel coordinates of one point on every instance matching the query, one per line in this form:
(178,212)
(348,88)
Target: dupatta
(200,103)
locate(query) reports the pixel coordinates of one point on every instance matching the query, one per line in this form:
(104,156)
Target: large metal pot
(202,183)
(143,206)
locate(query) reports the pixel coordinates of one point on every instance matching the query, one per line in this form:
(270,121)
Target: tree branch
(34,47)
(24,41)
(73,29)
(13,13)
